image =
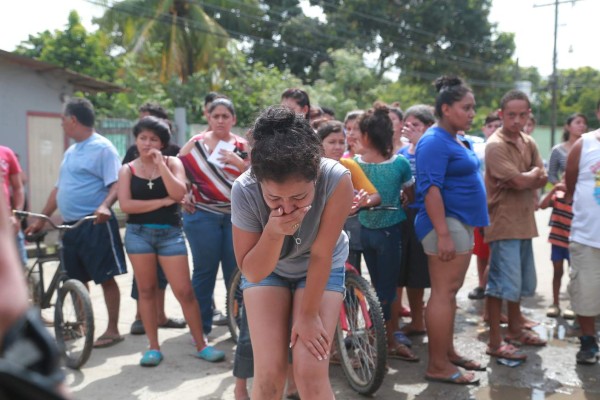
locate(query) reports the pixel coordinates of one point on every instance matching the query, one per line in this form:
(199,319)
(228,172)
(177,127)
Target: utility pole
(554,78)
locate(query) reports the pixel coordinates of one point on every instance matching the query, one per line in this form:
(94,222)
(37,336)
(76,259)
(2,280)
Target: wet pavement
(549,373)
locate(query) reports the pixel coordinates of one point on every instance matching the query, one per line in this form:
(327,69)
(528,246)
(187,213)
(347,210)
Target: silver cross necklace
(150,184)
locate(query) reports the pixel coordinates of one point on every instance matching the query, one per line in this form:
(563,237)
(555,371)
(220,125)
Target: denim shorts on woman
(163,241)
(335,283)
(461,234)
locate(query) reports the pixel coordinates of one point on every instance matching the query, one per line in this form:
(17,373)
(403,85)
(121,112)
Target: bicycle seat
(36,237)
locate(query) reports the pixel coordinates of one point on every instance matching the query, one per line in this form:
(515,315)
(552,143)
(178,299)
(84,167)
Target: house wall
(25,93)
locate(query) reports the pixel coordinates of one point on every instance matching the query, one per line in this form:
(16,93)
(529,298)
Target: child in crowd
(560,223)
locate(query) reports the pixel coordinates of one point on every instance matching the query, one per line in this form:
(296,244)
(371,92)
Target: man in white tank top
(582,177)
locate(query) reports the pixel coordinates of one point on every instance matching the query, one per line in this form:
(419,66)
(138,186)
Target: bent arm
(174,178)
(532,179)
(257,253)
(18,193)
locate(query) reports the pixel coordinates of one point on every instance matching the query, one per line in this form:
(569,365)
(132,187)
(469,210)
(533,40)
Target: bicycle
(360,336)
(73,313)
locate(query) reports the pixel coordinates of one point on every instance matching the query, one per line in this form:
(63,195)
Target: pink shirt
(9,165)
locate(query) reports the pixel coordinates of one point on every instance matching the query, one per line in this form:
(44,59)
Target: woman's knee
(311,378)
(184,294)
(147,292)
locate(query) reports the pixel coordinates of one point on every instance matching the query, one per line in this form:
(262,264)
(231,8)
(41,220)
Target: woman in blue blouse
(452,201)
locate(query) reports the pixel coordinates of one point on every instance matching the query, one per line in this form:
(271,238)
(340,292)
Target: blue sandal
(211,354)
(151,358)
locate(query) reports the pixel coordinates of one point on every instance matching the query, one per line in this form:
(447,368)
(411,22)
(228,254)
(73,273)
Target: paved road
(550,372)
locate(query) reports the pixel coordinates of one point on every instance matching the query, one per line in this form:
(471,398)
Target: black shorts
(94,251)
(414,270)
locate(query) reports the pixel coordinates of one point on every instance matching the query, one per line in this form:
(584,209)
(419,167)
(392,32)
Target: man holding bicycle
(87,185)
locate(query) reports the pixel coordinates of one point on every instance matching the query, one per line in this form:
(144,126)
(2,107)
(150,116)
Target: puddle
(512,393)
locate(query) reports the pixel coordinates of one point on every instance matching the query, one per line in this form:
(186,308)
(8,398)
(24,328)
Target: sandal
(507,351)
(469,365)
(526,338)
(401,352)
(458,378)
(151,358)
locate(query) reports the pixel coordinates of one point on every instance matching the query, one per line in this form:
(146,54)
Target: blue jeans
(382,251)
(209,237)
(21,247)
(243,366)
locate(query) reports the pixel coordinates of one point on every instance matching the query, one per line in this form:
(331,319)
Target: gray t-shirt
(249,212)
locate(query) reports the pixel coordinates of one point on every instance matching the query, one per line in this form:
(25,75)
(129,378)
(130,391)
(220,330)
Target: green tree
(78,50)
(74,48)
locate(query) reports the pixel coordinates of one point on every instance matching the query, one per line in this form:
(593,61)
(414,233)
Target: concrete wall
(23,90)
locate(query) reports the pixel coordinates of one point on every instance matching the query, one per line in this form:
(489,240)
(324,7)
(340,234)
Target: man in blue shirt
(86,186)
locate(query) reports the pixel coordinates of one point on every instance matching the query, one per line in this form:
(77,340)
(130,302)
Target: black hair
(422,112)
(328,128)
(299,96)
(492,117)
(450,90)
(514,94)
(570,119)
(159,126)
(222,101)
(284,146)
(82,109)
(377,125)
(154,109)
(209,98)
(398,112)
(328,111)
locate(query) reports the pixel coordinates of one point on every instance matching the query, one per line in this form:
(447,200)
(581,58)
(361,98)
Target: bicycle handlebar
(62,227)
(379,208)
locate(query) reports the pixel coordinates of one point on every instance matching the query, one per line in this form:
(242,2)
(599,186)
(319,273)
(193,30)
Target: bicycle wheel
(74,323)
(234,305)
(360,336)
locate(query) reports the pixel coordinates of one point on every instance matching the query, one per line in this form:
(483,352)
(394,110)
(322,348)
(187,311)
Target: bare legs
(446,279)
(268,310)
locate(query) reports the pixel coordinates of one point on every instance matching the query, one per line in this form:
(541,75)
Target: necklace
(151,178)
(297,238)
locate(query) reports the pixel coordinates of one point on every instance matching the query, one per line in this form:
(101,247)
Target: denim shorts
(335,283)
(141,239)
(512,270)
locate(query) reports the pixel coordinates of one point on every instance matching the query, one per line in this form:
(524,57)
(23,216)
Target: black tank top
(140,190)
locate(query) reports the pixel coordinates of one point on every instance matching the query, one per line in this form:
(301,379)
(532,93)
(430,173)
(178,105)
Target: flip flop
(454,379)
(176,323)
(402,352)
(469,365)
(413,332)
(107,341)
(293,396)
(507,351)
(526,338)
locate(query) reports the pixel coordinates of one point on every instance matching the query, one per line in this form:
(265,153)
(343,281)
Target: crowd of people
(283,205)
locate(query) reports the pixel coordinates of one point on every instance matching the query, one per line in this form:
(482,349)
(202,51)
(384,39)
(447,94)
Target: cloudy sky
(533,27)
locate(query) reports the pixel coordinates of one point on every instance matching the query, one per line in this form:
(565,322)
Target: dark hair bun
(274,120)
(380,108)
(446,82)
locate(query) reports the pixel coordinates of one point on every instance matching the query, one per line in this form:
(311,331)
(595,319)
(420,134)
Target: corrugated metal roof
(80,82)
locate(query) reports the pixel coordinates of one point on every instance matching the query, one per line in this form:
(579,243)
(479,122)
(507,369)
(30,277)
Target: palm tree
(186,35)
